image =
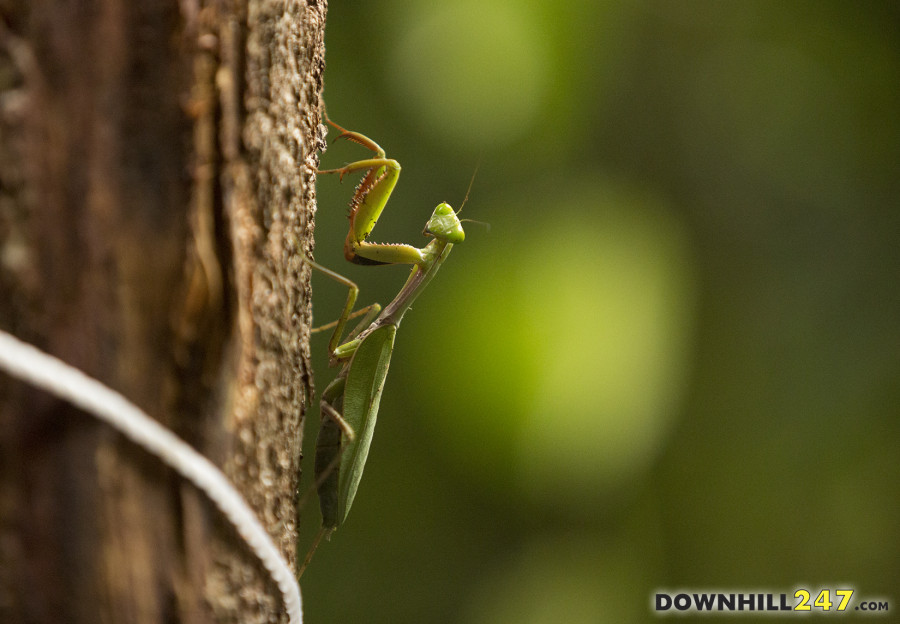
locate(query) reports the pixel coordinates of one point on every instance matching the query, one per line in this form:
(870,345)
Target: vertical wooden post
(153,207)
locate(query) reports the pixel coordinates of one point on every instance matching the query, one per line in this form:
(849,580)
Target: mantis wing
(362,395)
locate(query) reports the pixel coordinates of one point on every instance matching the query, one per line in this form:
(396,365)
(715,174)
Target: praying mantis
(349,404)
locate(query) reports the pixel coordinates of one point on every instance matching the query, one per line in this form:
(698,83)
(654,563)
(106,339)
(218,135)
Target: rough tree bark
(153,208)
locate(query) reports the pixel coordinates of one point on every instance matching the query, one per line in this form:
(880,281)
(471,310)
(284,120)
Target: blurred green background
(673,360)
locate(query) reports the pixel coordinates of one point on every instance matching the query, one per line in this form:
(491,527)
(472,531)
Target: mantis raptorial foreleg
(369,200)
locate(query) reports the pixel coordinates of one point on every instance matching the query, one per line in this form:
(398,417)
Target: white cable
(27,363)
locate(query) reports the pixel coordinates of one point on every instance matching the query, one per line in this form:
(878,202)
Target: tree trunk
(154,206)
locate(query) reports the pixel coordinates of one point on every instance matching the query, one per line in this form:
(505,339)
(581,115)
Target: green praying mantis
(349,404)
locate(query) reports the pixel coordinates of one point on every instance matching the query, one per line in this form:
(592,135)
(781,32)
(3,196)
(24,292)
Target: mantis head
(444,225)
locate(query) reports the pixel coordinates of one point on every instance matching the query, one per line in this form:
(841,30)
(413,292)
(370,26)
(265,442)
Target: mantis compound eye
(444,225)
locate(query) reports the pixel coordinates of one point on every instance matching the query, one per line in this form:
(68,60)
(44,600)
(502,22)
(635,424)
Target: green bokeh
(672,360)
(507,46)
(604,356)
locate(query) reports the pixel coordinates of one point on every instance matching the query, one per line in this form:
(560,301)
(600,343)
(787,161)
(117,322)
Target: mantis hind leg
(329,448)
(324,532)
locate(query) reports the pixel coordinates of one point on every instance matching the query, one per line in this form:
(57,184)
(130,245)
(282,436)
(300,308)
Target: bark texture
(155,198)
